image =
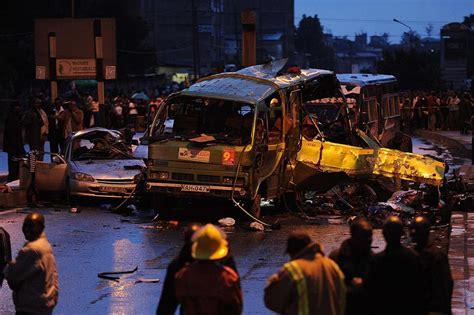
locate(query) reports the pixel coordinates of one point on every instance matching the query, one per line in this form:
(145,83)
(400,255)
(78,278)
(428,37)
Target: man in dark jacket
(394,279)
(33,276)
(57,127)
(207,286)
(13,140)
(436,271)
(36,124)
(353,257)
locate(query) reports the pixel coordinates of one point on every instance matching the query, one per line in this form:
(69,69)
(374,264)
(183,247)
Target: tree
(469,22)
(309,40)
(414,69)
(429,29)
(411,39)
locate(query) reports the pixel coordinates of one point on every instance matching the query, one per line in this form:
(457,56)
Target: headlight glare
(83,177)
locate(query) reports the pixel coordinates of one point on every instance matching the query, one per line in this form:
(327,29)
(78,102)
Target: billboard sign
(75,68)
(76,48)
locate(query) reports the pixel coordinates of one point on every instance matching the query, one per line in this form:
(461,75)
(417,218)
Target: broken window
(187,117)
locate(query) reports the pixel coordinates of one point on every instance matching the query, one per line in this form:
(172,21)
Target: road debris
(255,226)
(227,222)
(111,275)
(147,280)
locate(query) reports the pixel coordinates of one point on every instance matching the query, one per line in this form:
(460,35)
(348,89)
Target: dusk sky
(347,17)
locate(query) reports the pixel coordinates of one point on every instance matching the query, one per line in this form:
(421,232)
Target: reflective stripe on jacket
(309,284)
(300,281)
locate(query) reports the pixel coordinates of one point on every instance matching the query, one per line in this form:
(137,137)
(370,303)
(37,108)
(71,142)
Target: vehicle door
(373,116)
(269,144)
(51,173)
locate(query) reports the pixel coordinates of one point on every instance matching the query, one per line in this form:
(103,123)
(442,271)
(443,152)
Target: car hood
(108,169)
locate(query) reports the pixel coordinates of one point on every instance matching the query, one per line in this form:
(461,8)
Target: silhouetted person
(207,285)
(168,301)
(353,257)
(394,281)
(13,141)
(309,283)
(33,276)
(35,122)
(436,271)
(5,252)
(58,129)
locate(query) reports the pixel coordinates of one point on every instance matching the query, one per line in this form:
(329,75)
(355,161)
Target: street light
(410,33)
(406,25)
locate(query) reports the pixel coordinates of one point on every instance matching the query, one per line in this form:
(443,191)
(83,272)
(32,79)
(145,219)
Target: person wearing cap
(168,302)
(436,270)
(394,281)
(33,275)
(353,257)
(309,283)
(207,285)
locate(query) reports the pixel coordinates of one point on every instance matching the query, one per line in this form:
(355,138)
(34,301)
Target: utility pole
(249,38)
(72,8)
(196,57)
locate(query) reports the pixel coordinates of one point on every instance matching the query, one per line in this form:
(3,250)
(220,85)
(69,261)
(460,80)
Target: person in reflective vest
(309,283)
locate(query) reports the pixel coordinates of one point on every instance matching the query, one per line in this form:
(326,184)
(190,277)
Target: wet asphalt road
(95,240)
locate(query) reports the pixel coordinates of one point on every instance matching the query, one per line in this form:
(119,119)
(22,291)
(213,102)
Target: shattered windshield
(100,146)
(206,119)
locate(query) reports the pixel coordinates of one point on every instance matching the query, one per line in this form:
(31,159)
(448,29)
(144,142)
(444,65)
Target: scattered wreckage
(260,133)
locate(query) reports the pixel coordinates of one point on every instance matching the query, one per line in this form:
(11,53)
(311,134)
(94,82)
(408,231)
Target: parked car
(96,162)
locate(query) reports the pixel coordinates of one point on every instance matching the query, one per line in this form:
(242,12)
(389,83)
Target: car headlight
(83,177)
(159,175)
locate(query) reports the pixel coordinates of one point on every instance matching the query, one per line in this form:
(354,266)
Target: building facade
(206,34)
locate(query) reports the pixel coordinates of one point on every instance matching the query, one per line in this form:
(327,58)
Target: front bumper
(211,190)
(100,190)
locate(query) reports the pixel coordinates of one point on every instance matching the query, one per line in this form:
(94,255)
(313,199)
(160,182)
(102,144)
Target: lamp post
(410,33)
(400,22)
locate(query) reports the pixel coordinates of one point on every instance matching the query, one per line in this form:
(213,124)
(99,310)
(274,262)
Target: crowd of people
(42,119)
(435,110)
(203,278)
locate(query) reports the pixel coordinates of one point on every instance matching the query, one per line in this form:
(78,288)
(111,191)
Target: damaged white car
(96,162)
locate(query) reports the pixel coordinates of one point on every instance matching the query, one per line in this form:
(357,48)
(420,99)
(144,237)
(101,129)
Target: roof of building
(251,84)
(363,79)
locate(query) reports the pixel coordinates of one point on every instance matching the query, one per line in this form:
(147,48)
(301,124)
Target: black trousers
(13,168)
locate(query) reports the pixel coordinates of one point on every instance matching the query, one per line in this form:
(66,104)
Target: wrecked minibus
(374,102)
(245,135)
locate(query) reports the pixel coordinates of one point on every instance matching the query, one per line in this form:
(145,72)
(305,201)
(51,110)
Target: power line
(375,20)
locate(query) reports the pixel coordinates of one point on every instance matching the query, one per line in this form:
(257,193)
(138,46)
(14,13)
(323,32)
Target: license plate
(113,189)
(195,188)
